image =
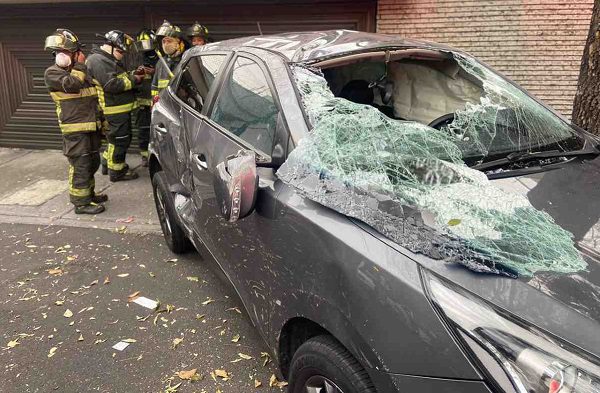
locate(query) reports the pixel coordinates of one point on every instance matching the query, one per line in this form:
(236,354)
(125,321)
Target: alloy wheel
(321,384)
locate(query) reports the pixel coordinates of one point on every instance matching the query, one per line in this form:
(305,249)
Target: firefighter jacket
(75,97)
(162,75)
(114,84)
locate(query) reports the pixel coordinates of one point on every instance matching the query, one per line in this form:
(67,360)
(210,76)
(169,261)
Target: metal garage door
(27,115)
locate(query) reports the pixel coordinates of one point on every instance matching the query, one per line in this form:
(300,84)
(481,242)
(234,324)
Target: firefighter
(116,93)
(197,34)
(144,45)
(71,88)
(172,45)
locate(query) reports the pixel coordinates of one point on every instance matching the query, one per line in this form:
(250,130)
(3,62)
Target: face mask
(170,47)
(63,60)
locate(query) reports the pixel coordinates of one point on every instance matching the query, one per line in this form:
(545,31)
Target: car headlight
(509,350)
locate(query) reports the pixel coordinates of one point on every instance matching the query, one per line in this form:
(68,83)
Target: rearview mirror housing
(236,185)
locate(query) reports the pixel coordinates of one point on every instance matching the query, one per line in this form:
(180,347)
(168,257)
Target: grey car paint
(293,258)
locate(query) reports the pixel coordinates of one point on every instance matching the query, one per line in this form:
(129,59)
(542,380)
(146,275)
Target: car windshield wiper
(520,156)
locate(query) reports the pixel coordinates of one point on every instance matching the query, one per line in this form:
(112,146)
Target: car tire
(165,208)
(323,364)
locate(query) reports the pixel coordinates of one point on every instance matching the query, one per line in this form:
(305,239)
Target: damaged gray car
(394,215)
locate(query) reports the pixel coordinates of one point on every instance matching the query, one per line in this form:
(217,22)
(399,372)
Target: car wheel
(163,198)
(323,365)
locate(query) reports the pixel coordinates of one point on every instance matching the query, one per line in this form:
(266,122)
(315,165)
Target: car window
(246,107)
(197,78)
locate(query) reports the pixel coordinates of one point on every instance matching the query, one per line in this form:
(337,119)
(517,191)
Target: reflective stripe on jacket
(113,82)
(162,77)
(75,97)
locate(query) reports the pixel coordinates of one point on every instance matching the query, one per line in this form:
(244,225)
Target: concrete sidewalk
(33,190)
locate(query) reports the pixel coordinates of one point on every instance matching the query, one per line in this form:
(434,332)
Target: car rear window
(197,78)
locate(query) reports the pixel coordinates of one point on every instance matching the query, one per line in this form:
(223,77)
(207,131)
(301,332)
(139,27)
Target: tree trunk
(586,108)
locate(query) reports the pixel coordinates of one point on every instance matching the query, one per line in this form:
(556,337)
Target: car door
(168,139)
(192,90)
(246,115)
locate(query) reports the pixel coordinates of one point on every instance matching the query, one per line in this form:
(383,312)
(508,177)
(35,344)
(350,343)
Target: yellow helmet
(63,39)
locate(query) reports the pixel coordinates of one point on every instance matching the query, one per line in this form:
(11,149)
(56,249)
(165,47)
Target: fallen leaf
(129,340)
(55,272)
(52,351)
(133,296)
(59,302)
(187,374)
(13,343)
(68,313)
(454,222)
(200,316)
(244,356)
(80,337)
(173,260)
(123,275)
(222,374)
(106,280)
(266,357)
(237,310)
(235,338)
(172,389)
(194,279)
(273,382)
(207,302)
(176,342)
(257,383)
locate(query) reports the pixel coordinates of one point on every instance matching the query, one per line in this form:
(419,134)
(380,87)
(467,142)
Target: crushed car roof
(308,46)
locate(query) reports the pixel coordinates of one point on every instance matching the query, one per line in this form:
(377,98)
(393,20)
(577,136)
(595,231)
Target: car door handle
(160,128)
(200,161)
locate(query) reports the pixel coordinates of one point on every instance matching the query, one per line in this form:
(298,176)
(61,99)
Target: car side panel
(168,139)
(327,269)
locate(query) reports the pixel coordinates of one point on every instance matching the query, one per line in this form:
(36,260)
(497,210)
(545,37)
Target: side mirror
(236,185)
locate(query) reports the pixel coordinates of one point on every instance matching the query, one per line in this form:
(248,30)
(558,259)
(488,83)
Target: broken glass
(409,181)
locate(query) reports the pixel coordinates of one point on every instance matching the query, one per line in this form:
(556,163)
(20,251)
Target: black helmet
(63,39)
(197,30)
(118,39)
(144,41)
(169,30)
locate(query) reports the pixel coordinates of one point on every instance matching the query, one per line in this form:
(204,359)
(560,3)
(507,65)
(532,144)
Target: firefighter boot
(92,208)
(100,198)
(123,175)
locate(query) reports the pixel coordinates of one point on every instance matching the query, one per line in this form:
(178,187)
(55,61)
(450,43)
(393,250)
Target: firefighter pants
(119,139)
(142,121)
(82,149)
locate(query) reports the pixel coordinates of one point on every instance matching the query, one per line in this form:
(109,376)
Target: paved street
(49,273)
(68,287)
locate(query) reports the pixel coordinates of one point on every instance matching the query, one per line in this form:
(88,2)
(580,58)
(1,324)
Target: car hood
(570,194)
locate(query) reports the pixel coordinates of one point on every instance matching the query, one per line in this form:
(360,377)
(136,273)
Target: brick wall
(537,43)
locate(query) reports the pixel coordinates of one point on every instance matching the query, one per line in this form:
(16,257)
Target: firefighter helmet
(169,30)
(197,30)
(118,39)
(63,39)
(145,40)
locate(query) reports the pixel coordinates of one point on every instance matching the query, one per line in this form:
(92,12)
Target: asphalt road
(64,303)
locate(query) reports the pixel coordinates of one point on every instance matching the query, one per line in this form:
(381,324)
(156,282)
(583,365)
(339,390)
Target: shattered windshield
(505,120)
(410,182)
